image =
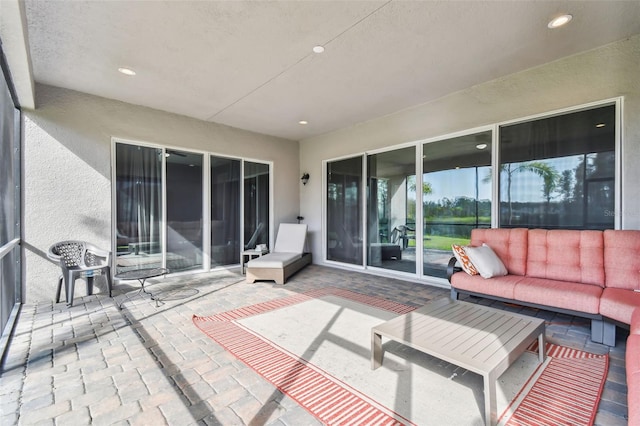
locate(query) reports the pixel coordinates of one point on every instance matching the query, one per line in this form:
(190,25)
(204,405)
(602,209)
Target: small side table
(251,254)
(141,275)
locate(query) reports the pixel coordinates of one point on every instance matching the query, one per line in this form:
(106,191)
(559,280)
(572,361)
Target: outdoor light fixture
(305,178)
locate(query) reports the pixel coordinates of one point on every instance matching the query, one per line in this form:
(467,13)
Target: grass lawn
(443,243)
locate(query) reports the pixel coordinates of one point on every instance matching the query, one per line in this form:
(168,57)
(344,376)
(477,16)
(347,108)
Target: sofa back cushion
(622,259)
(566,255)
(509,244)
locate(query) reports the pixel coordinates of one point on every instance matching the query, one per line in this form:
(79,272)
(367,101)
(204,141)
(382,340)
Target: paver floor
(149,365)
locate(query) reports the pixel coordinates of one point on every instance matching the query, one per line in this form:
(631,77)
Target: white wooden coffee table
(478,338)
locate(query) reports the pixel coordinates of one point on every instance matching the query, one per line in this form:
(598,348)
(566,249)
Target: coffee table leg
(490,407)
(542,347)
(376,350)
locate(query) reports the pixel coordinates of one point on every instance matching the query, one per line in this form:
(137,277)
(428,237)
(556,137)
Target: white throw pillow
(486,261)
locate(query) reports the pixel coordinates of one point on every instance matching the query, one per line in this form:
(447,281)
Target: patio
(95,364)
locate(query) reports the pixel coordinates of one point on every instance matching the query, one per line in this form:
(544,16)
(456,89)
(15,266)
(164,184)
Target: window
(10,262)
(559,172)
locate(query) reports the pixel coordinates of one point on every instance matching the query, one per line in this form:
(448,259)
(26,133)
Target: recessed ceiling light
(559,21)
(599,125)
(303,122)
(318,49)
(126,71)
(481,146)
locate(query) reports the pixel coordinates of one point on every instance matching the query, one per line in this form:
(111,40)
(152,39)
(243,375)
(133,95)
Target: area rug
(315,348)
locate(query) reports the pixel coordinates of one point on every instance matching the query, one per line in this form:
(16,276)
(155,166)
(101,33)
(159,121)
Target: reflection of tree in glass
(426,187)
(547,172)
(565,185)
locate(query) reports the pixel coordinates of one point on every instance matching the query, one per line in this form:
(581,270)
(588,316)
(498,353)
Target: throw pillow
(486,261)
(463,259)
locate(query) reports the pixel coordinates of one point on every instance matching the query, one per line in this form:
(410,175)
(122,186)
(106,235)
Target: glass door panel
(184,210)
(391,232)
(456,195)
(344,211)
(138,207)
(559,171)
(256,204)
(225,211)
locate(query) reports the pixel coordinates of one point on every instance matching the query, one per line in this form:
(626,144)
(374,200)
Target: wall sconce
(305,178)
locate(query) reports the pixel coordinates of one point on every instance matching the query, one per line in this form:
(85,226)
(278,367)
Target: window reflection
(559,172)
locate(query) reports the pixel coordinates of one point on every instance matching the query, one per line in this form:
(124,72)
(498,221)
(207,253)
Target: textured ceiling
(250,64)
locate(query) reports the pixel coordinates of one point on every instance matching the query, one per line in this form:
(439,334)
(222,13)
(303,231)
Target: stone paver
(95,364)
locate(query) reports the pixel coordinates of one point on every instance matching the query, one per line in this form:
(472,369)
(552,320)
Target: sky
(526,186)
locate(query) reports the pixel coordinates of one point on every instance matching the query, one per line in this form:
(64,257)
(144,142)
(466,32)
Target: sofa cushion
(559,294)
(566,255)
(509,244)
(462,258)
(274,260)
(619,304)
(635,322)
(485,261)
(632,367)
(622,259)
(633,398)
(496,286)
(632,357)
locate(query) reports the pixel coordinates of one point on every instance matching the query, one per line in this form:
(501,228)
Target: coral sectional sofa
(592,274)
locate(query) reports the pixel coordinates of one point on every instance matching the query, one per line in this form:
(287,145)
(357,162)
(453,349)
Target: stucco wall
(604,73)
(67,169)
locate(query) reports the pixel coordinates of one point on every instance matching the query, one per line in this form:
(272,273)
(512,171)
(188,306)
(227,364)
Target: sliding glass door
(225,211)
(344,211)
(559,171)
(138,192)
(184,224)
(161,216)
(456,195)
(391,227)
(256,204)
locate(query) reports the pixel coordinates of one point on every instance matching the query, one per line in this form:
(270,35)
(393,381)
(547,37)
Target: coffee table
(478,338)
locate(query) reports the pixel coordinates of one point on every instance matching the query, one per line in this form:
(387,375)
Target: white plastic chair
(79,259)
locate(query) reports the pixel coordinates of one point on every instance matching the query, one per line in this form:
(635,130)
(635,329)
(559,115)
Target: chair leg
(90,285)
(59,288)
(70,286)
(109,283)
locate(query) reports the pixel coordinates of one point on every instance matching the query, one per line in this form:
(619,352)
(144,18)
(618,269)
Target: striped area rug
(565,390)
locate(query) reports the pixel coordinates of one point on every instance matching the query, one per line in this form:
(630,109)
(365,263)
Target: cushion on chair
(509,244)
(566,255)
(621,260)
(291,238)
(619,304)
(274,260)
